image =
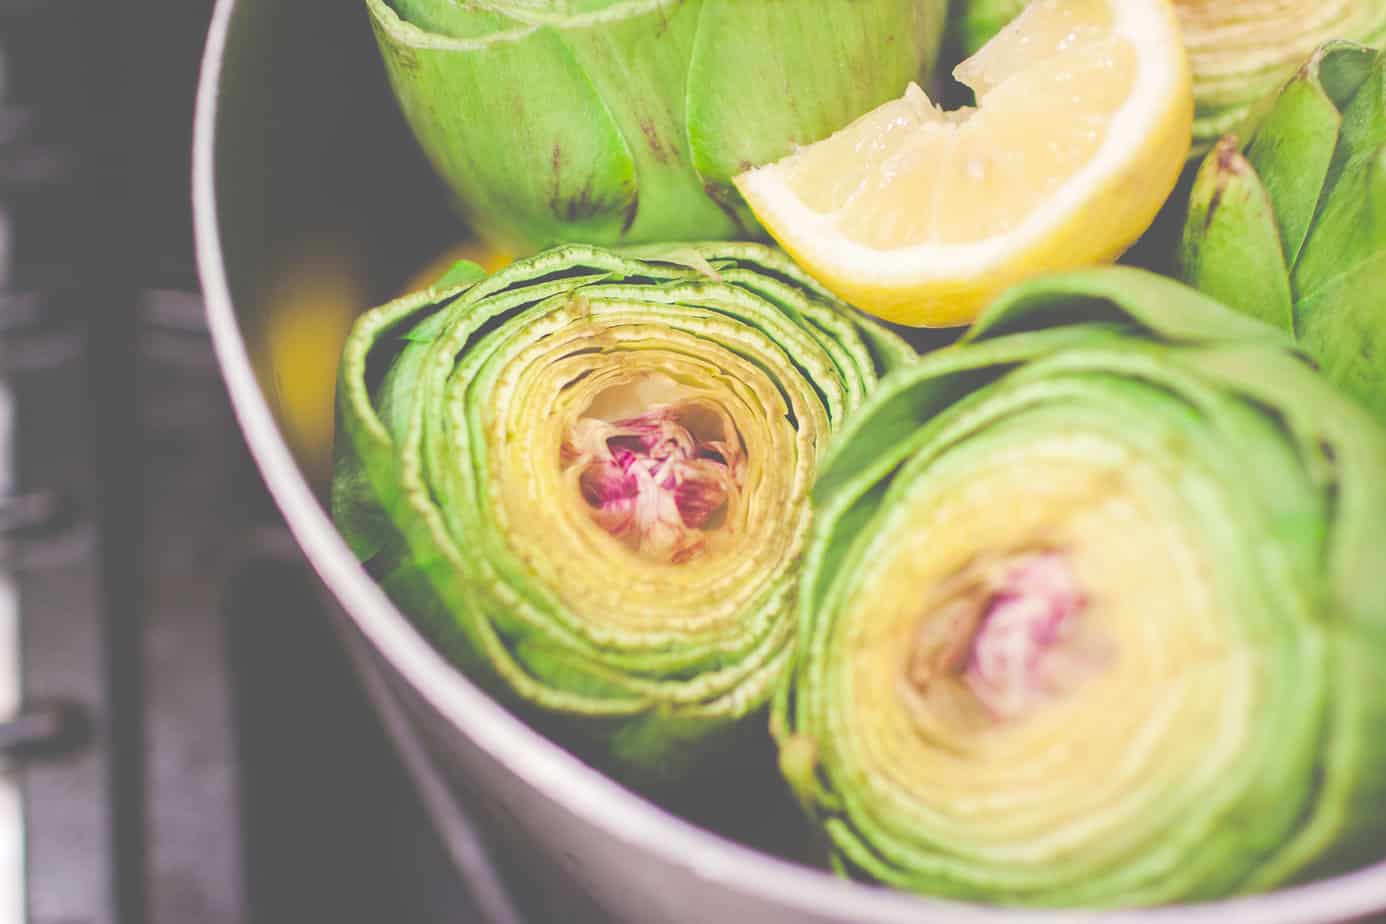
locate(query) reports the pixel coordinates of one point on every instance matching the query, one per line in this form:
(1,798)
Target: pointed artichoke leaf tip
(685,256)
(461,273)
(1228,163)
(799,765)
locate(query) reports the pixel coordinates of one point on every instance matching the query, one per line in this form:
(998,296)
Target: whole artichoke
(1240,50)
(1291,227)
(1093,615)
(623,121)
(587,477)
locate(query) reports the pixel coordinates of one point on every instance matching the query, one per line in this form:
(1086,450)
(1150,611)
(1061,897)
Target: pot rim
(542,765)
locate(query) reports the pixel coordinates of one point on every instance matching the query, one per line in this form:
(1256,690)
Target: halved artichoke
(1240,50)
(1093,615)
(1291,227)
(587,477)
(623,121)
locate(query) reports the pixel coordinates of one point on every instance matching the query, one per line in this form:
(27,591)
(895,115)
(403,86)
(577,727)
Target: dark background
(231,770)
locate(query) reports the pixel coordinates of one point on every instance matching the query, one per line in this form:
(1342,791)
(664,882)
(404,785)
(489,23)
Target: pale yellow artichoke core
(568,404)
(1137,689)
(1000,640)
(659,469)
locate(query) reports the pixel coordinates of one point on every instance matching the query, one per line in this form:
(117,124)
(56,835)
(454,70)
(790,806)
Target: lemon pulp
(918,215)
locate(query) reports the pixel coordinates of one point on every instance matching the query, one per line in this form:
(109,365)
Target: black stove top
(188,742)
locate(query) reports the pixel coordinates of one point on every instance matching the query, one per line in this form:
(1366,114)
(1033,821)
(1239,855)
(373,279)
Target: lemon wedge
(917,215)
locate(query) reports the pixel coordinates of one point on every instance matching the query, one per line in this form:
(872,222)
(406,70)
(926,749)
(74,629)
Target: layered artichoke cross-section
(588,476)
(1092,614)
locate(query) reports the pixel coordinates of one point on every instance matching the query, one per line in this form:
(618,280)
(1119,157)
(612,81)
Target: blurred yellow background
(312,302)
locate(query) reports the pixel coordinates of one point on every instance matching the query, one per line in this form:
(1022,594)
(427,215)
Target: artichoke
(1292,228)
(1092,614)
(1240,50)
(623,121)
(587,476)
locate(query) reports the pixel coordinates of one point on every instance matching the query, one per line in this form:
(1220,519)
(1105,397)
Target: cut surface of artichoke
(586,476)
(703,577)
(1241,52)
(1086,617)
(623,121)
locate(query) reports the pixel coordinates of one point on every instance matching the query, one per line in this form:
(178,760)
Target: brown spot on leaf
(631,210)
(1229,154)
(727,199)
(656,144)
(1230,163)
(1213,204)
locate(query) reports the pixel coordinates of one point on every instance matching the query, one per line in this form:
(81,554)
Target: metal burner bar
(12,886)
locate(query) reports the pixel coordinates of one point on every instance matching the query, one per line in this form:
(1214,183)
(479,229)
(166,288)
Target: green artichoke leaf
(587,478)
(1160,306)
(1341,325)
(1294,144)
(622,121)
(1085,618)
(1351,226)
(653,119)
(1232,244)
(1364,113)
(808,100)
(523,166)
(1313,171)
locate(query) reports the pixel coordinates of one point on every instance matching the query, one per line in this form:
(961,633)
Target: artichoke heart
(1290,227)
(1092,614)
(587,477)
(623,121)
(1240,50)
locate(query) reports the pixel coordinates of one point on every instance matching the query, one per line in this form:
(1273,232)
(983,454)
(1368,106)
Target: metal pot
(296,139)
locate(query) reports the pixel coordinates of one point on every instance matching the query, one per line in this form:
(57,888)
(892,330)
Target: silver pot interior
(314,204)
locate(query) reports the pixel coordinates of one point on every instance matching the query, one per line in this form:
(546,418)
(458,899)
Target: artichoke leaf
(875,42)
(1232,245)
(1292,150)
(1351,226)
(1341,325)
(1313,170)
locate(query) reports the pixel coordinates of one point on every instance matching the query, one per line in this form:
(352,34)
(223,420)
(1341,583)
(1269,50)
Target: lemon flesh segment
(920,216)
(1046,30)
